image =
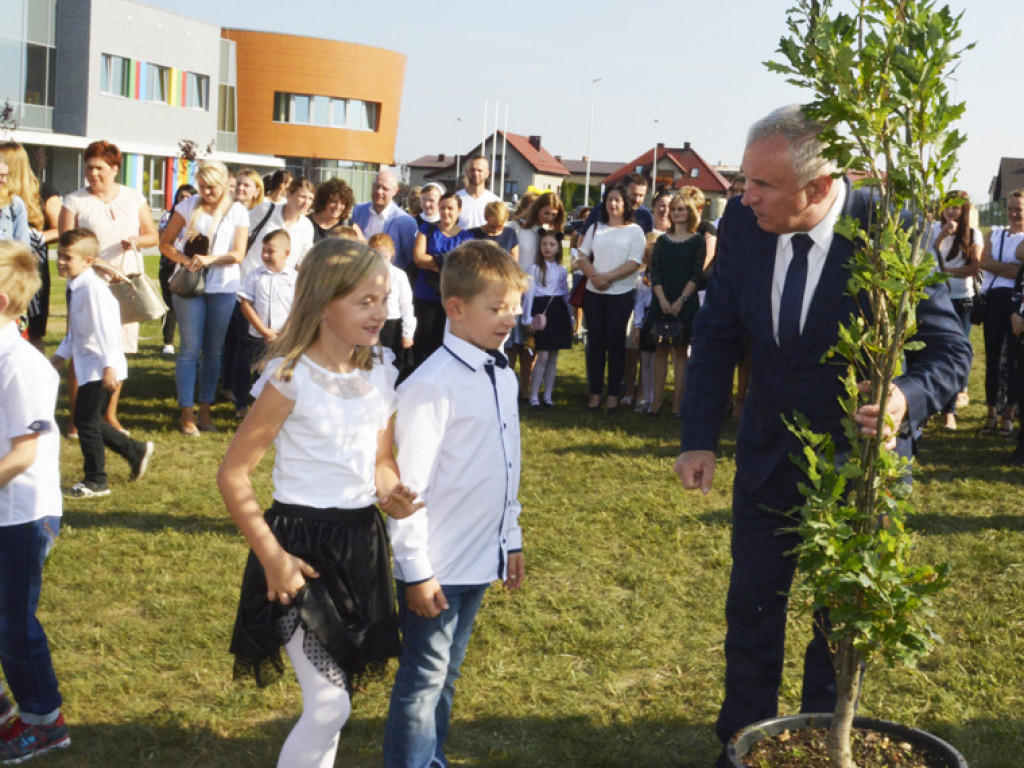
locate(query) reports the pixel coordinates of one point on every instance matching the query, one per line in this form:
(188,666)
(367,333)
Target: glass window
(695,173)
(226,109)
(41,22)
(300,109)
(371,116)
(115,75)
(51,77)
(159,86)
(282,107)
(356,115)
(338,112)
(35,74)
(10,70)
(13,14)
(203,92)
(321,110)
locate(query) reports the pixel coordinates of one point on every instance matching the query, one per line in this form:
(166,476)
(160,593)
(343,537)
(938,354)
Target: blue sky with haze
(696,68)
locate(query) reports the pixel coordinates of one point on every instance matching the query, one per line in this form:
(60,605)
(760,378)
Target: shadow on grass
(493,742)
(151,522)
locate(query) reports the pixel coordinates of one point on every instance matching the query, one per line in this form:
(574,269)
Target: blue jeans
(24,652)
(421,699)
(202,326)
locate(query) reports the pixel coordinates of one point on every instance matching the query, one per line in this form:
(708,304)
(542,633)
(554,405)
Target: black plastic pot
(742,742)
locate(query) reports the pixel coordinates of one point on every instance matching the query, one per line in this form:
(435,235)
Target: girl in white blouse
(318,578)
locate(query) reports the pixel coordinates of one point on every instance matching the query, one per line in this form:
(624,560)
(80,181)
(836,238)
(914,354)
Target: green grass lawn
(610,656)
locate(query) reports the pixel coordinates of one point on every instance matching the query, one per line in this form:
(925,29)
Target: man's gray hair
(802,134)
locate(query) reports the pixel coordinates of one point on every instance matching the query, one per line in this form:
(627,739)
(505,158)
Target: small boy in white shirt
(266,298)
(458,443)
(397,333)
(93,341)
(30,510)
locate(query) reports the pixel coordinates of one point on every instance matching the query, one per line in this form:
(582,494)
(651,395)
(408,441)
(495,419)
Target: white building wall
(142,33)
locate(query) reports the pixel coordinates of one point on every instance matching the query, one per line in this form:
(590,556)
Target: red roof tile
(541,160)
(686,160)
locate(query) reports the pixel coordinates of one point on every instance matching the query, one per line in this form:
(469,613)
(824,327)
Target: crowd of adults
(642,268)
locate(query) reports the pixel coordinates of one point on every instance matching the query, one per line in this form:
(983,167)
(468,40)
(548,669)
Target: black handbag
(667,331)
(190,285)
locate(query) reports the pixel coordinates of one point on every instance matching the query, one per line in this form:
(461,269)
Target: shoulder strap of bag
(259,228)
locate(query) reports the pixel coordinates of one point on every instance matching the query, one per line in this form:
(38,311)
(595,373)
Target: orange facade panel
(268,63)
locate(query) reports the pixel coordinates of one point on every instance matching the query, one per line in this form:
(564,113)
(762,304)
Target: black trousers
(170,319)
(94,434)
(429,334)
(755,610)
(607,318)
(1000,348)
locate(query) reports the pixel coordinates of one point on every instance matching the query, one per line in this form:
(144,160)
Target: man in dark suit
(780,280)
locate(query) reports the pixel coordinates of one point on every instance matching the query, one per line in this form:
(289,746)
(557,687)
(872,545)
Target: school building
(75,71)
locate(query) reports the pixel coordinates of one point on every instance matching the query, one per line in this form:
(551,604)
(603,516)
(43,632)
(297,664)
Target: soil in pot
(805,748)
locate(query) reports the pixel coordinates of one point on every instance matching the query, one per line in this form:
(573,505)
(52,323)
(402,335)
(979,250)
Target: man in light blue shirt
(382,215)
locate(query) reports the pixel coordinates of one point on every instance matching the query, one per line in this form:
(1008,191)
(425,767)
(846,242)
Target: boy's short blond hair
(381,240)
(471,267)
(19,276)
(82,240)
(496,210)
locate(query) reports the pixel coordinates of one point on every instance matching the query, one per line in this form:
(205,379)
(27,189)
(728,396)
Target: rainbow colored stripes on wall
(152,82)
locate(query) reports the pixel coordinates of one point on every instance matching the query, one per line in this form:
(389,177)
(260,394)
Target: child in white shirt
(266,299)
(93,341)
(458,440)
(400,328)
(30,510)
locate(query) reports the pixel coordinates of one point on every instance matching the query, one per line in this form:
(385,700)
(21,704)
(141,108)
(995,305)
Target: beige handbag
(136,293)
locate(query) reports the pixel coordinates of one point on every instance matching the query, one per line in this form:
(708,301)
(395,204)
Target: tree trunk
(847,662)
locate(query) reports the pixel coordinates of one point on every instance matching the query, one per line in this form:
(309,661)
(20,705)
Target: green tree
(878,75)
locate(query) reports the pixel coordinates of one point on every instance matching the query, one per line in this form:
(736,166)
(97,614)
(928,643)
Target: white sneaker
(168,349)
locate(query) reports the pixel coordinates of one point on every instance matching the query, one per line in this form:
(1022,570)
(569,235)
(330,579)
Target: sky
(670,72)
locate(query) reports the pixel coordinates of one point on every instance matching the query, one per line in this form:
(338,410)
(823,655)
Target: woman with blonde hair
(249,189)
(123,223)
(207,232)
(677,263)
(42,206)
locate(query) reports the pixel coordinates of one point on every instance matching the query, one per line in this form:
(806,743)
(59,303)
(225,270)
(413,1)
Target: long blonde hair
(333,268)
(22,182)
(214,174)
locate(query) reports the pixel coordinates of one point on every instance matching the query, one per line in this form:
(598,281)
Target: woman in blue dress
(432,243)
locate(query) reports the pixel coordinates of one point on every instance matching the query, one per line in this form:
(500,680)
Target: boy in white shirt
(399,330)
(30,510)
(93,341)
(458,445)
(266,298)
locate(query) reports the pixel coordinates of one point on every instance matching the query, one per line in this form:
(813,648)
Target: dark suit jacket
(738,306)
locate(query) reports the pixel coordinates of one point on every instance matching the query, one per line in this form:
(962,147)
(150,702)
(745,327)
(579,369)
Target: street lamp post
(590,140)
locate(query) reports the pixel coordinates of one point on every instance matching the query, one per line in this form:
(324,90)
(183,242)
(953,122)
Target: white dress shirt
(458,448)
(28,396)
(93,339)
(822,234)
(400,301)
(325,454)
(271,295)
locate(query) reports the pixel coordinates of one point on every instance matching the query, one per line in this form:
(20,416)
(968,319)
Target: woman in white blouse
(611,251)
(203,321)
(958,248)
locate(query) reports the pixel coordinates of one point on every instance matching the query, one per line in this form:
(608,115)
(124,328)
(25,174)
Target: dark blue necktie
(792,302)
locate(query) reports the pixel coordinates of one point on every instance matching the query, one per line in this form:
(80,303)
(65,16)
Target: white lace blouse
(326,449)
